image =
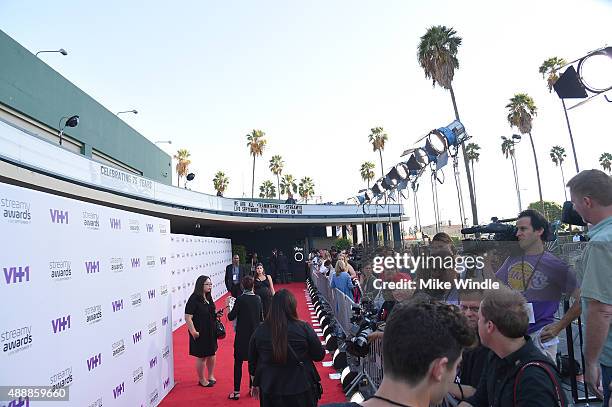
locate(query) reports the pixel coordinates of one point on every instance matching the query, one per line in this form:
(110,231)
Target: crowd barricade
(342,307)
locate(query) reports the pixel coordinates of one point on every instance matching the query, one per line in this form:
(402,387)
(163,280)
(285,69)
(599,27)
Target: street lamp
(128,111)
(189,177)
(71,121)
(61,51)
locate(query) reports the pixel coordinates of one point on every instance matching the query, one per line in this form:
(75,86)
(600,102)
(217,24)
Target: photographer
(421,350)
(542,278)
(516,372)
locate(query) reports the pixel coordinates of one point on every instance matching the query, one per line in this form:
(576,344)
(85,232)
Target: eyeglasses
(474,308)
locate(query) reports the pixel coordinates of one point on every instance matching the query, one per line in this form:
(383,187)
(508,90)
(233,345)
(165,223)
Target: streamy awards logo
(15,211)
(60,270)
(61,379)
(116,264)
(16,340)
(91,220)
(93,314)
(118,348)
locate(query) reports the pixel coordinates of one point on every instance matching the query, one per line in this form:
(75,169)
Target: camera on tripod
(364,321)
(497,232)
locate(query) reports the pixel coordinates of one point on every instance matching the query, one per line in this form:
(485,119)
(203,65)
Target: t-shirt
(595,272)
(542,278)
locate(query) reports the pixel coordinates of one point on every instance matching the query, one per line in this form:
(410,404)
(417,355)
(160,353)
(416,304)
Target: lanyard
(526,284)
(390,401)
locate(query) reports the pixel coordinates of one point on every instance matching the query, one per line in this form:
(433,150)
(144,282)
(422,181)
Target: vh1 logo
(92,266)
(58,216)
(137,336)
(61,324)
(117,305)
(117,391)
(20,402)
(12,274)
(153,362)
(149,227)
(115,223)
(151,294)
(94,361)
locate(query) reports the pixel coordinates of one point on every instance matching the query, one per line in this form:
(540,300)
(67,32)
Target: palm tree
(557,155)
(267,190)
(182,165)
(437,55)
(508,152)
(606,161)
(521,110)
(367,172)
(256,146)
(472,154)
(220,182)
(549,68)
(276,166)
(288,185)
(306,188)
(378,138)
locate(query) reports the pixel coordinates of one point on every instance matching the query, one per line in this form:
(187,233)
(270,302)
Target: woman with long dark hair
(264,287)
(247,311)
(281,355)
(200,319)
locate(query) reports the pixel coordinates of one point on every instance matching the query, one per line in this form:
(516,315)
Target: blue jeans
(606,381)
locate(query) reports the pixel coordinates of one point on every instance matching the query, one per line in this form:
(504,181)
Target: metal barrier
(342,307)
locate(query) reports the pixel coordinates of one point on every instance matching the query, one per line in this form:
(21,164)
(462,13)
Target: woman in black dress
(264,287)
(200,318)
(279,379)
(248,313)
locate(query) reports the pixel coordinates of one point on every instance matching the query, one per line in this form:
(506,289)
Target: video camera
(499,228)
(364,322)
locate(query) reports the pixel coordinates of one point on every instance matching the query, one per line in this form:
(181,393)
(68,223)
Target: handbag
(219,329)
(315,385)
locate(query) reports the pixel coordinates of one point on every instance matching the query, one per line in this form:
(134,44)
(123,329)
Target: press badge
(529,308)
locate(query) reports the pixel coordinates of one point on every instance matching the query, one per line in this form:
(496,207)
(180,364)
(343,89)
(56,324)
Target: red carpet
(187,392)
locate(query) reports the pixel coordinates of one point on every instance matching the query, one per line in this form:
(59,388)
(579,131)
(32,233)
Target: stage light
(378,189)
(418,160)
(454,133)
(398,173)
(436,143)
(369,195)
(604,66)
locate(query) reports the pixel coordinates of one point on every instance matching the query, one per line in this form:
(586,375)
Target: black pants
(238,374)
(282,276)
(295,400)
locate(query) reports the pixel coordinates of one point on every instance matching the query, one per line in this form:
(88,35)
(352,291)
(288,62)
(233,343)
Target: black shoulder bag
(315,384)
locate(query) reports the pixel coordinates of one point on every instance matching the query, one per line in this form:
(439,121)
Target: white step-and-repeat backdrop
(86,300)
(191,257)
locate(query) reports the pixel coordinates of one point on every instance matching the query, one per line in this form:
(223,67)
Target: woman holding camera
(281,355)
(200,315)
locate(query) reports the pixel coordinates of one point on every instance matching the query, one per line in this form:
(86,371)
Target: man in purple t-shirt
(542,278)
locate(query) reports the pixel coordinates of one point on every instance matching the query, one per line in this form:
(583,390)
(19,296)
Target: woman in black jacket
(248,313)
(278,377)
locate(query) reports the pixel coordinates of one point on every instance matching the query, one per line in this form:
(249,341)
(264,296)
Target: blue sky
(317,75)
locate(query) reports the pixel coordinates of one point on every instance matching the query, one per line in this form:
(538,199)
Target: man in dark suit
(233,276)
